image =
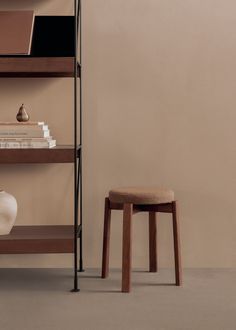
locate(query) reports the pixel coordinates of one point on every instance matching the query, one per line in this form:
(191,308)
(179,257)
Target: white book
(30,134)
(29,145)
(25,139)
(28,123)
(34,145)
(18,128)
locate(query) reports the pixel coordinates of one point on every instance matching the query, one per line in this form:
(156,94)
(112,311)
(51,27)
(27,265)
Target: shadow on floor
(61,280)
(36,279)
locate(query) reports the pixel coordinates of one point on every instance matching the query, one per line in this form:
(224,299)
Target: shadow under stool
(135,200)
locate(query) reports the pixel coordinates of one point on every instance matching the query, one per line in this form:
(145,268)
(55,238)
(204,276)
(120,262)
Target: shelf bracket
(78,151)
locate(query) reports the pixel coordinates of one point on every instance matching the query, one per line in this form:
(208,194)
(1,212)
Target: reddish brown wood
(128,211)
(38,239)
(106,239)
(152,242)
(60,154)
(176,236)
(162,208)
(116,206)
(36,67)
(127,247)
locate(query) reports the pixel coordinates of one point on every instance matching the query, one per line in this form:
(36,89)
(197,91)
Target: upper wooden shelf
(37,67)
(59,154)
(52,52)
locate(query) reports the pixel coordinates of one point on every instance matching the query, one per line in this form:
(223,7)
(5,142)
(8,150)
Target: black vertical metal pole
(76,287)
(81,140)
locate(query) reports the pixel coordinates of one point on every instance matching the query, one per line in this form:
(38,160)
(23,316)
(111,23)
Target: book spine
(8,139)
(23,145)
(10,128)
(38,145)
(29,123)
(30,134)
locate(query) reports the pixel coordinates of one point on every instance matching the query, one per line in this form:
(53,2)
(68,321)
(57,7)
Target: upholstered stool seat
(131,201)
(141,195)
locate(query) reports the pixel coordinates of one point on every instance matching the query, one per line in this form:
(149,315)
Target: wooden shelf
(59,154)
(38,239)
(24,67)
(52,52)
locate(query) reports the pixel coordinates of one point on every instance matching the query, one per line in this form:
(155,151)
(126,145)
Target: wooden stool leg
(178,270)
(106,239)
(152,242)
(127,247)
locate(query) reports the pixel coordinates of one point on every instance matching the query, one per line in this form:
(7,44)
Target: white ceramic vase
(8,212)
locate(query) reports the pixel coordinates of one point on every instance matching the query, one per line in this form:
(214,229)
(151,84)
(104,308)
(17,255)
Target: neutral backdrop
(159,109)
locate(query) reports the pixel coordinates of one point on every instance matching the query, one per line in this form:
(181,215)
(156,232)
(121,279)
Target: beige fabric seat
(141,195)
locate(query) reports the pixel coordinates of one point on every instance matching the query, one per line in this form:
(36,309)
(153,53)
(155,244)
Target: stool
(131,201)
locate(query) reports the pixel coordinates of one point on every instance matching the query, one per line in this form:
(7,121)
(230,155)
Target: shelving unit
(54,54)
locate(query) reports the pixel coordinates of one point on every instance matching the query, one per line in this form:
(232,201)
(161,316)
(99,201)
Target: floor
(33,299)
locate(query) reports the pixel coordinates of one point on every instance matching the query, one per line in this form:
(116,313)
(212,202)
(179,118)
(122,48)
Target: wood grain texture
(152,242)
(59,154)
(106,239)
(127,247)
(38,239)
(37,67)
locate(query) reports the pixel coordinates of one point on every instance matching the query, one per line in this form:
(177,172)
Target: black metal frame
(78,201)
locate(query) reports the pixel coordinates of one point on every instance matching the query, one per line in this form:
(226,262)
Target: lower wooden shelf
(38,239)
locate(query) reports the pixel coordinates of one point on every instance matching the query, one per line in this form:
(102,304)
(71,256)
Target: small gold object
(22,115)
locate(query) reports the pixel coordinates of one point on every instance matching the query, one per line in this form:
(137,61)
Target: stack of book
(25,135)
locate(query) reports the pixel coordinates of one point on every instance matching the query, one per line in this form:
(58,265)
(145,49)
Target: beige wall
(159,108)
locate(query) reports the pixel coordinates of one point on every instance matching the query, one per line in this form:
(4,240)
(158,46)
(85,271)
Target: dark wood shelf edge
(38,67)
(38,239)
(59,154)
